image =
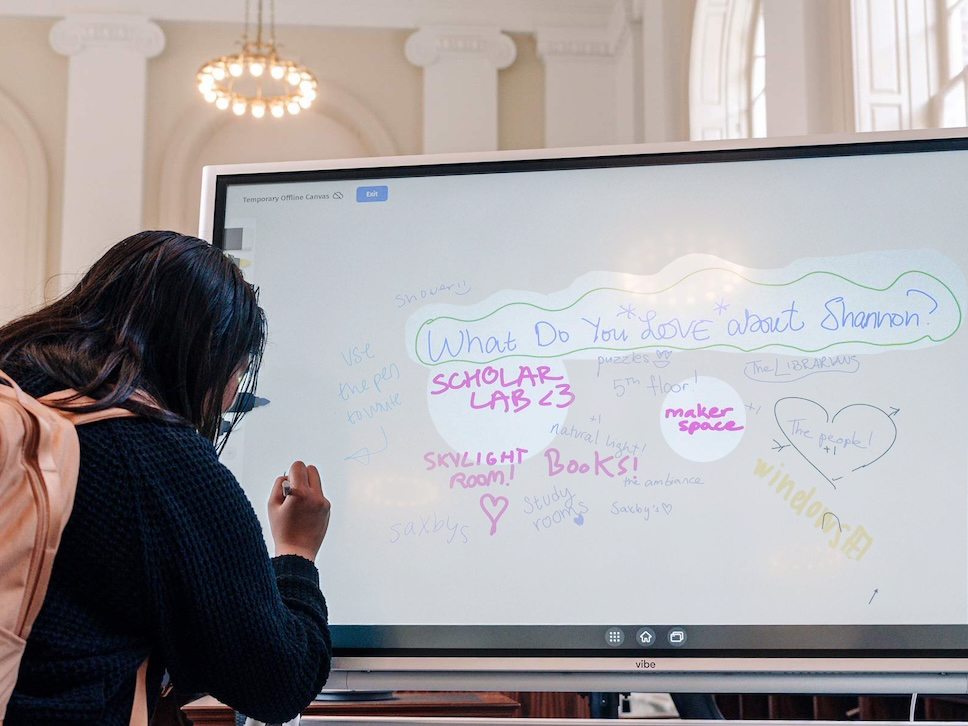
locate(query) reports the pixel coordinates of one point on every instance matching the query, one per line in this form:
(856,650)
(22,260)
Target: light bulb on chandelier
(257,79)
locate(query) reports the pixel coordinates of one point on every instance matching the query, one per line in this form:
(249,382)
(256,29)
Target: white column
(104,150)
(805,47)
(460,66)
(580,107)
(663,48)
(646,43)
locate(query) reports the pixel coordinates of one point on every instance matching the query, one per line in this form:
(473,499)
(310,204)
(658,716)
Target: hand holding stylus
(298,512)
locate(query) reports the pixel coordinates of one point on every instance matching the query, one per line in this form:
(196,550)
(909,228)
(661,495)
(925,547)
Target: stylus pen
(285,484)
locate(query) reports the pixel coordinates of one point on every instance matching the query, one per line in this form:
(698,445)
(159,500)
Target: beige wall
(34,77)
(521,101)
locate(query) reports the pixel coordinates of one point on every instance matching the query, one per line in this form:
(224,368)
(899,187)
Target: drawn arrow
(872,596)
(362,456)
(893,411)
(779,446)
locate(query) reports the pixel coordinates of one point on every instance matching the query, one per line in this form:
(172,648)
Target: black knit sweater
(164,555)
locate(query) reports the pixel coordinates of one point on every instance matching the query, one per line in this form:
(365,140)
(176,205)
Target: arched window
(726,70)
(758,78)
(953,96)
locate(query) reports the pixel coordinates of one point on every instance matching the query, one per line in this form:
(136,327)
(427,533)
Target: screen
(684,405)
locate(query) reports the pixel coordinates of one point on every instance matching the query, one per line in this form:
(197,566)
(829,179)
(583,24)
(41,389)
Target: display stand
(349,696)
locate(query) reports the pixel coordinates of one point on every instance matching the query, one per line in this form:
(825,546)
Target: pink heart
(493,507)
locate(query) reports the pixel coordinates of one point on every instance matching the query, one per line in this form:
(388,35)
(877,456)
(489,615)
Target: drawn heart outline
(830,420)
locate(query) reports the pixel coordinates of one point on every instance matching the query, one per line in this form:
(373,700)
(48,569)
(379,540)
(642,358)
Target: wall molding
(520,16)
(433,43)
(37,190)
(570,43)
(77,33)
(624,16)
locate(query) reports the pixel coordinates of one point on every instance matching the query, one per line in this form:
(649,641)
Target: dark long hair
(159,312)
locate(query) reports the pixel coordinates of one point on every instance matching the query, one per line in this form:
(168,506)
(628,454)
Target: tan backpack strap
(82,418)
(139,707)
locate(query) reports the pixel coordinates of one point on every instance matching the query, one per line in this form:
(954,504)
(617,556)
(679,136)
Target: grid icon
(614,637)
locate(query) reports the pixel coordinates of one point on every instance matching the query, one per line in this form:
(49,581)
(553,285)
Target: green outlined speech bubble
(858,303)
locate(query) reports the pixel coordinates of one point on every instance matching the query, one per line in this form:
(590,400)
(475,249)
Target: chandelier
(257,79)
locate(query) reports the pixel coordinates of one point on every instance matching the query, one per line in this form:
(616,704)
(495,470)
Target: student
(163,555)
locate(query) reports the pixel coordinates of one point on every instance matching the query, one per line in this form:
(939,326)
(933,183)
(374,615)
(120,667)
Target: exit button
(371,194)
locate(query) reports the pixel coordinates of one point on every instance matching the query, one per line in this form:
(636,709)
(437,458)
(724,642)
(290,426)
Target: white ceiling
(508,15)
